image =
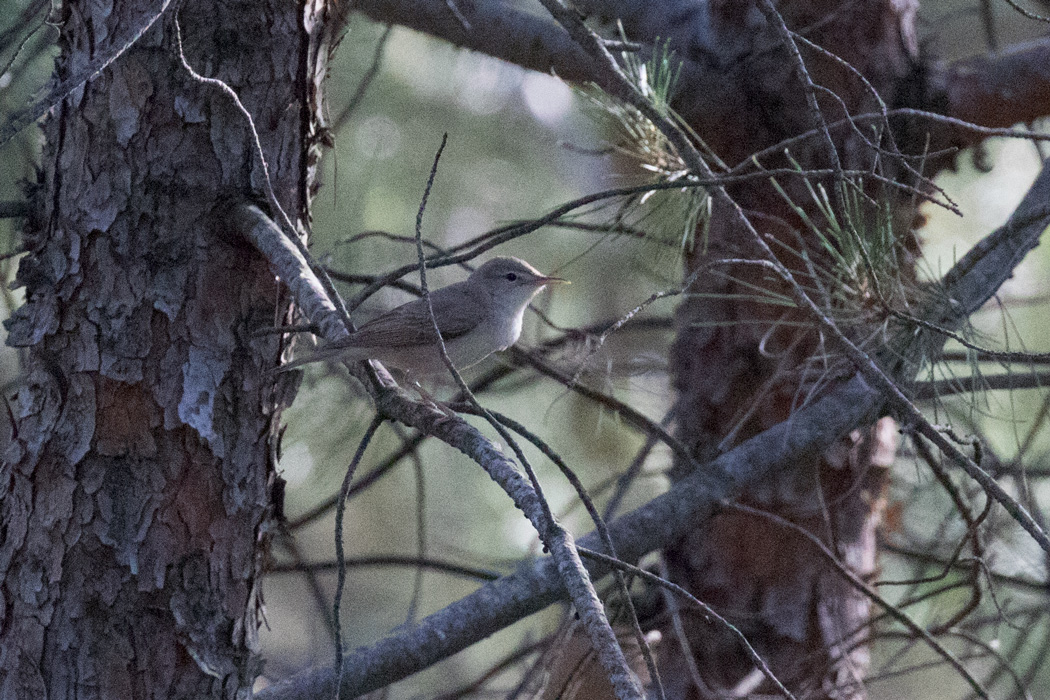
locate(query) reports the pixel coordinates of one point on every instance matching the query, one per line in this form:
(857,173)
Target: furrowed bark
(136,492)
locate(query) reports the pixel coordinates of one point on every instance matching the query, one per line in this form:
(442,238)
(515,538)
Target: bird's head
(511,282)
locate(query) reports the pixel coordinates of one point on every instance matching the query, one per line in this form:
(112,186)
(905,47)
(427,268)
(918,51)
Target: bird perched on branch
(476,317)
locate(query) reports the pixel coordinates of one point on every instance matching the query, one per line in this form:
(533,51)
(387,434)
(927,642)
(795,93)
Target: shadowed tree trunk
(738,363)
(136,491)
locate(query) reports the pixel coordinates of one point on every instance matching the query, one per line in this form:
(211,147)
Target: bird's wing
(409,324)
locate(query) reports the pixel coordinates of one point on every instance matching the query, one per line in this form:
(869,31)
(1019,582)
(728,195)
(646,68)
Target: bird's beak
(552,280)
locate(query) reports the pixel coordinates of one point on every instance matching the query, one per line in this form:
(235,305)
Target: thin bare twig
(868,592)
(104,57)
(339,554)
(380,560)
(557,540)
(706,609)
(603,532)
(366,81)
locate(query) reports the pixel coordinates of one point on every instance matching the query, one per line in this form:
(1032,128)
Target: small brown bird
(476,317)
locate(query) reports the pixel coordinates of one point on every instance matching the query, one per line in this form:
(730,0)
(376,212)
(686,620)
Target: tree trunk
(137,486)
(738,364)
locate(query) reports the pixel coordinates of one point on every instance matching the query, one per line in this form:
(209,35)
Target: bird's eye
(512,277)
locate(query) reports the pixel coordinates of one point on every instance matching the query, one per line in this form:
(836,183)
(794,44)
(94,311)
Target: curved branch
(490,27)
(998,90)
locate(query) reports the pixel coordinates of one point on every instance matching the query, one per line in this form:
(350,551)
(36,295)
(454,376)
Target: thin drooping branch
(666,518)
(104,57)
(340,555)
(869,592)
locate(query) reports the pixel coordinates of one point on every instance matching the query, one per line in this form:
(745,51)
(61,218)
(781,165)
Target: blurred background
(519,145)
